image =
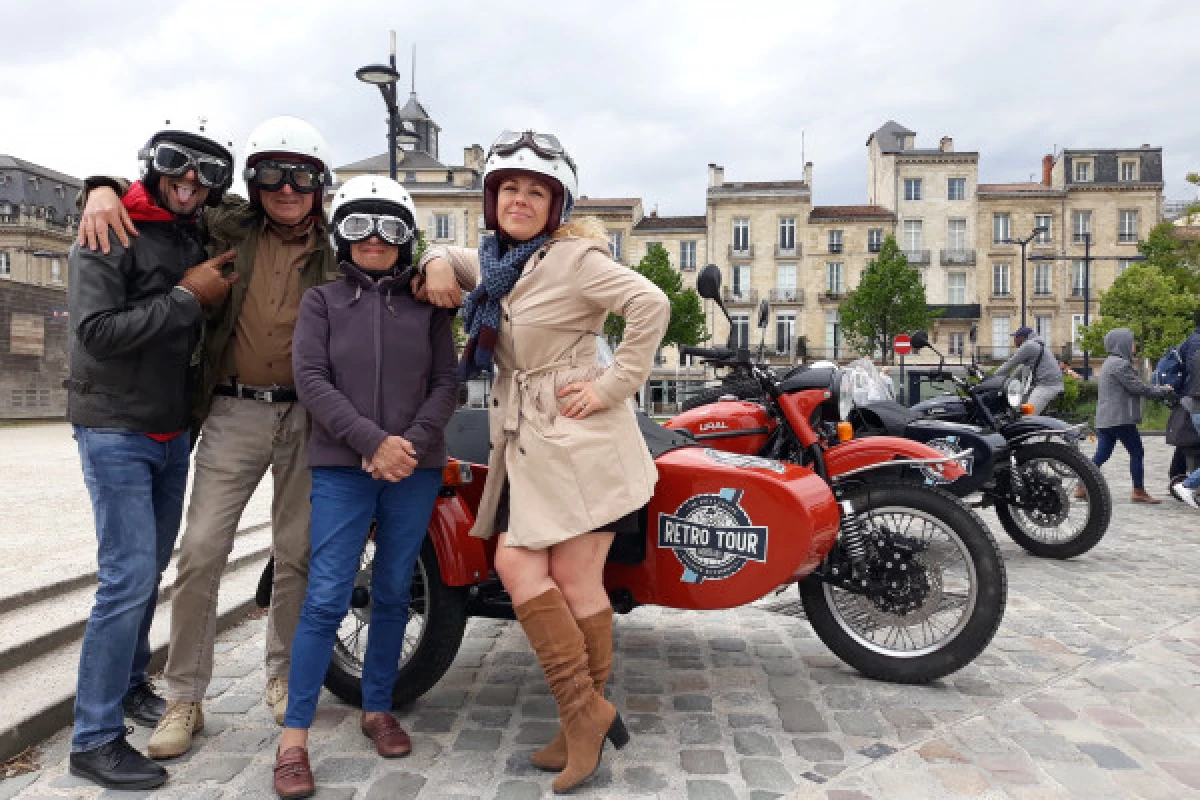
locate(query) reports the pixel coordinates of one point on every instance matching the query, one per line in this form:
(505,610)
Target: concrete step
(39,689)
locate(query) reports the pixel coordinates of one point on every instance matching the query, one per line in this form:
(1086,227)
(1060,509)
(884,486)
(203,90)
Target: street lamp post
(385,76)
(1039,230)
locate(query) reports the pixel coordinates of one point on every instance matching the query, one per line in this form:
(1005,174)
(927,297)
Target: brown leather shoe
(1142,496)
(390,739)
(293,775)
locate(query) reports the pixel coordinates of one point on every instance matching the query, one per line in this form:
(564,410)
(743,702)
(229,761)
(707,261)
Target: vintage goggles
(173,160)
(270,176)
(358,226)
(545,145)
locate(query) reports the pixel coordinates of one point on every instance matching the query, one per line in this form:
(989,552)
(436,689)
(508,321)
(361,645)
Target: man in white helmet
(247,407)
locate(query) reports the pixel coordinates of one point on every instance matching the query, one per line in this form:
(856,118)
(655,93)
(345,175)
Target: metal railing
(788,252)
(739,296)
(835,247)
(795,296)
(829,296)
(917,256)
(958,257)
(745,252)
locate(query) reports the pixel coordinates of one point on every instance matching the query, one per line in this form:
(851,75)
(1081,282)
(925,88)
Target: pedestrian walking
(1047,380)
(136,315)
(1188,489)
(1119,409)
(1187,352)
(377,371)
(569,468)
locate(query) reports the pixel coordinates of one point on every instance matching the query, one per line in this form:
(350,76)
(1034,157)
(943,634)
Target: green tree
(687,316)
(889,300)
(1176,256)
(1150,303)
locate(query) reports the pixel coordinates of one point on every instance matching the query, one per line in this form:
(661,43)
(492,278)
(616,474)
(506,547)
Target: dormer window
(1083,171)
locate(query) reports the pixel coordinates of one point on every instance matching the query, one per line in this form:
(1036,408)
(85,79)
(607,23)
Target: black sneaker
(116,765)
(143,706)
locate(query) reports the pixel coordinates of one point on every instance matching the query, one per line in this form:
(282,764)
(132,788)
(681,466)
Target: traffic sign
(902,344)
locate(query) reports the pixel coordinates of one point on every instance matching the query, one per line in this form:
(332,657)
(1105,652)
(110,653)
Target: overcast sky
(644,94)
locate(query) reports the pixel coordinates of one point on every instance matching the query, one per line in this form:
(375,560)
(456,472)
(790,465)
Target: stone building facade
(37,222)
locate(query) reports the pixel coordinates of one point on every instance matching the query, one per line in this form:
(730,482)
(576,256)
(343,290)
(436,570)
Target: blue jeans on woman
(1128,436)
(137,488)
(344,501)
(1193,481)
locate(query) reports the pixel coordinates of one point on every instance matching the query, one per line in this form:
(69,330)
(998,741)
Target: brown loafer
(390,739)
(293,775)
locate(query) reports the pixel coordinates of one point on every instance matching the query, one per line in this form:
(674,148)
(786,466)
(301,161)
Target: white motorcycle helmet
(286,136)
(539,153)
(366,198)
(212,161)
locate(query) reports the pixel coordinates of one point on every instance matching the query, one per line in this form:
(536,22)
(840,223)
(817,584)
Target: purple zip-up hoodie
(371,361)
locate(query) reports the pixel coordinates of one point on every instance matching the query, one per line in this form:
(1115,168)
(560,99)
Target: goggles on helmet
(270,176)
(545,145)
(171,159)
(357,226)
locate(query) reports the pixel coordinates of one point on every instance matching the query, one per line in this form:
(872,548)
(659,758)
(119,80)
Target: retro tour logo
(712,536)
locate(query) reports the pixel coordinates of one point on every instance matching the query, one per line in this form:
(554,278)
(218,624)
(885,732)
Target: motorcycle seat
(660,440)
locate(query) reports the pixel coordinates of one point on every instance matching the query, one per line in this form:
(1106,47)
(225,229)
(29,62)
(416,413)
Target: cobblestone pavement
(1090,689)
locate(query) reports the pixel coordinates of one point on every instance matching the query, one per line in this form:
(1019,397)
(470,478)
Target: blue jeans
(137,487)
(344,501)
(1132,440)
(1193,481)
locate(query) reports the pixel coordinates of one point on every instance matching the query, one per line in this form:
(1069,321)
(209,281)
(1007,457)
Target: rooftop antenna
(413,73)
(802,160)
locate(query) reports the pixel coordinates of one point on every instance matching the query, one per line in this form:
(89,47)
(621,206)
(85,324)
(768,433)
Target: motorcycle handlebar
(719,353)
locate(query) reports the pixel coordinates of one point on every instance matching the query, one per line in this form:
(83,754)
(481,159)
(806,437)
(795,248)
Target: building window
(956,189)
(958,343)
(785,331)
(785,277)
(835,277)
(787,234)
(55,271)
(614,244)
(874,240)
(1079,276)
(1000,280)
(1076,325)
(741,235)
(912,188)
(687,255)
(1083,171)
(740,329)
(1081,226)
(1128,232)
(1123,265)
(956,234)
(443,226)
(1043,279)
(5,265)
(1044,221)
(835,241)
(956,288)
(1043,326)
(913,235)
(833,333)
(651,245)
(741,282)
(1001,228)
(1129,170)
(1000,340)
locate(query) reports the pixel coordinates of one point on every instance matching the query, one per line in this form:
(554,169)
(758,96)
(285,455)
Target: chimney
(808,174)
(716,175)
(473,157)
(654,213)
(1047,169)
(947,144)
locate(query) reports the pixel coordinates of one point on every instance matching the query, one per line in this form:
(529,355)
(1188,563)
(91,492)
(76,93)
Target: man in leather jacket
(136,314)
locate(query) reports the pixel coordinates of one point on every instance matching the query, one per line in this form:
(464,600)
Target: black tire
(444,611)
(743,388)
(1071,542)
(965,535)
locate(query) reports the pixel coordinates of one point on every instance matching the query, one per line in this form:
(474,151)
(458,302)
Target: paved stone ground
(1090,689)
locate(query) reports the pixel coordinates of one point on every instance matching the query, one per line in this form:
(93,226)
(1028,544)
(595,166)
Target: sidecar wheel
(1080,524)
(948,592)
(437,619)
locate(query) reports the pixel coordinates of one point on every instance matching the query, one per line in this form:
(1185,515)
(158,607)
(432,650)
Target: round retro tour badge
(712,536)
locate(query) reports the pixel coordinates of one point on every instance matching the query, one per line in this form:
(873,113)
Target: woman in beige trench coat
(568,465)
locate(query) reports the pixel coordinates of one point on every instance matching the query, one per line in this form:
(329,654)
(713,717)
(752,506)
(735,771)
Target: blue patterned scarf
(481,312)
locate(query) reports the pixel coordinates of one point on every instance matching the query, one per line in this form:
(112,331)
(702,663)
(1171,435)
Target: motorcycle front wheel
(938,586)
(436,623)
(1063,525)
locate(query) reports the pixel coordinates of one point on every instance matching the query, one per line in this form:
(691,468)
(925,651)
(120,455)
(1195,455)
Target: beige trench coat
(566,476)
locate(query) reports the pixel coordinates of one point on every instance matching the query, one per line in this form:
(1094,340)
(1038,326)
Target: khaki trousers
(239,440)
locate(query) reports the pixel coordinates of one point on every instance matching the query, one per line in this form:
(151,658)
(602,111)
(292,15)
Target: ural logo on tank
(713,426)
(712,536)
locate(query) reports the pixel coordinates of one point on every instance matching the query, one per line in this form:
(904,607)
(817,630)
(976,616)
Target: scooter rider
(1047,377)
(249,410)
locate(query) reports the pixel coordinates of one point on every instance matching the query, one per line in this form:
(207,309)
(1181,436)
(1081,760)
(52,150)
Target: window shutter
(450,219)
(431,229)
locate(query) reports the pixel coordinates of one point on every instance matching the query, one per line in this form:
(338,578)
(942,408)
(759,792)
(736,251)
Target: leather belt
(263,394)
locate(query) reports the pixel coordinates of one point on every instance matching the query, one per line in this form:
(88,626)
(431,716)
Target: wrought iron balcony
(788,252)
(958,257)
(741,253)
(739,297)
(795,296)
(917,256)
(829,296)
(835,247)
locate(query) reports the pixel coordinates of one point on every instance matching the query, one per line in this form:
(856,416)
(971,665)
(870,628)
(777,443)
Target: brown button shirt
(262,346)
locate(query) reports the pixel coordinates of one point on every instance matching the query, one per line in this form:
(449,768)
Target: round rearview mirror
(920,340)
(708,282)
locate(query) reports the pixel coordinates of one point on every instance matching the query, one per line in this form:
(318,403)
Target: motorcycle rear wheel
(959,611)
(1058,459)
(437,621)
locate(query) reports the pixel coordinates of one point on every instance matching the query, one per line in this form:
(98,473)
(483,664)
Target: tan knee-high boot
(586,717)
(598,641)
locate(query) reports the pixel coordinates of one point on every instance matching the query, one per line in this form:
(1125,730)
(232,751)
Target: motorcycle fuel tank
(947,406)
(723,530)
(735,426)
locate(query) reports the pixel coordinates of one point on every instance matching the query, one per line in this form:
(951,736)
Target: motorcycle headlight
(1014,392)
(845,392)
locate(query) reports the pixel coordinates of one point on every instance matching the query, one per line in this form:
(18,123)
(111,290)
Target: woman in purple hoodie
(376,370)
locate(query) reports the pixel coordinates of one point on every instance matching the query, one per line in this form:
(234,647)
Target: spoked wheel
(437,619)
(1070,508)
(935,586)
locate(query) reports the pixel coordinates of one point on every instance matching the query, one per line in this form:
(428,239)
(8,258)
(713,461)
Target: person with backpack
(1187,489)
(1184,356)
(1047,377)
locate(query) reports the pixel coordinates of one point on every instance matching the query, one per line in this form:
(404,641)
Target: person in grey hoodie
(1047,375)
(1119,408)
